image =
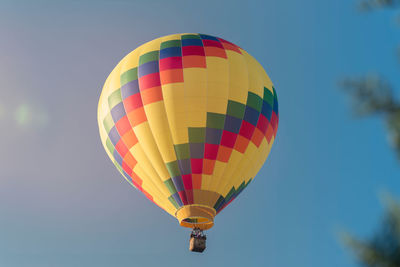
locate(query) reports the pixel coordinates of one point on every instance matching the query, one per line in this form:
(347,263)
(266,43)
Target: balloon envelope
(188,119)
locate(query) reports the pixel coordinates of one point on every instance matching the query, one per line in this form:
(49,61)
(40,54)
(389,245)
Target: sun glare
(27,116)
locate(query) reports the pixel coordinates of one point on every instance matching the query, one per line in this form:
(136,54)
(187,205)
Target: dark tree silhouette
(367,5)
(383,249)
(373,95)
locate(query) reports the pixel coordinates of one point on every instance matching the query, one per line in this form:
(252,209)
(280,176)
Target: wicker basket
(197,244)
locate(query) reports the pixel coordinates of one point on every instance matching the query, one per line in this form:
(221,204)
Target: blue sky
(62,202)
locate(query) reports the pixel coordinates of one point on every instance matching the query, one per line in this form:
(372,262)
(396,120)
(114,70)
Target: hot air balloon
(188,120)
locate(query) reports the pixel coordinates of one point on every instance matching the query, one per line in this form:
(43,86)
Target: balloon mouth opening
(196,216)
(197,222)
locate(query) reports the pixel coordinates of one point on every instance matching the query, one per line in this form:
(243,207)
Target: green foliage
(367,5)
(372,95)
(383,249)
